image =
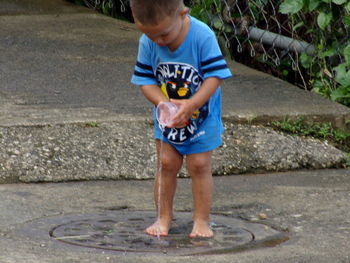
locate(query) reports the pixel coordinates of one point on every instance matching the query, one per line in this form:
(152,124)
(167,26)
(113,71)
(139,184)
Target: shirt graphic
(181,81)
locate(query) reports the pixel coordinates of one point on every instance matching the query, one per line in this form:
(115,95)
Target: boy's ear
(184,11)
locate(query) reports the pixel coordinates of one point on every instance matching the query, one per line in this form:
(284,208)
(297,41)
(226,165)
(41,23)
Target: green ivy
(201,9)
(291,6)
(329,66)
(328,24)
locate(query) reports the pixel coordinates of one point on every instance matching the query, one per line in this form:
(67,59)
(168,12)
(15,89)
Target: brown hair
(151,12)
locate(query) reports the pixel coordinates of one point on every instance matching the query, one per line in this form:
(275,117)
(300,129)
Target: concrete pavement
(311,207)
(65,63)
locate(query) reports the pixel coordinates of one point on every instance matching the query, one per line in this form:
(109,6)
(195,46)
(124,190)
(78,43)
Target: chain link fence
(254,33)
(257,34)
(110,4)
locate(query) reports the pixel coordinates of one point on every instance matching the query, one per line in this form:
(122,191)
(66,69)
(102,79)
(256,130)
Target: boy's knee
(167,164)
(199,167)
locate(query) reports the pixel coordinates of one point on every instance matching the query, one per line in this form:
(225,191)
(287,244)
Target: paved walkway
(311,207)
(62,63)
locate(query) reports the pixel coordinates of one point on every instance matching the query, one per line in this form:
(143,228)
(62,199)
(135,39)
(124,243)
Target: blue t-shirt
(180,74)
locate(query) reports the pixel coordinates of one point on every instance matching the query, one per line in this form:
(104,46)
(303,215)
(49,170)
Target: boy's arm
(187,107)
(153,93)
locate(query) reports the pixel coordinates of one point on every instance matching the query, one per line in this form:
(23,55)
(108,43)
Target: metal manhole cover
(122,231)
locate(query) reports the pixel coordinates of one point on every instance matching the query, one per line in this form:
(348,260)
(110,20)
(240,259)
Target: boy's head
(151,12)
(163,21)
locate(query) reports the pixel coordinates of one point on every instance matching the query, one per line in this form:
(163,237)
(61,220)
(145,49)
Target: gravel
(125,150)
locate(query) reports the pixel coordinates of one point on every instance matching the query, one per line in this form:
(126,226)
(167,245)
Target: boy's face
(167,32)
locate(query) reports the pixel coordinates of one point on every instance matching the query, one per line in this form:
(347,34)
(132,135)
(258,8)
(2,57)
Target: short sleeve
(143,74)
(212,61)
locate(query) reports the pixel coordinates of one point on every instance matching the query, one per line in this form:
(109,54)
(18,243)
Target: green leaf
(305,60)
(310,30)
(347,54)
(347,8)
(347,20)
(341,93)
(105,8)
(339,2)
(323,20)
(327,1)
(300,24)
(291,6)
(328,53)
(313,4)
(217,23)
(342,75)
(260,4)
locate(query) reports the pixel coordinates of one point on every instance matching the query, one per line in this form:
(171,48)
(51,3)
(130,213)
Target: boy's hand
(182,117)
(188,106)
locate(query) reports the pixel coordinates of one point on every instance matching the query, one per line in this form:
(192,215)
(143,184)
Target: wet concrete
(121,231)
(312,207)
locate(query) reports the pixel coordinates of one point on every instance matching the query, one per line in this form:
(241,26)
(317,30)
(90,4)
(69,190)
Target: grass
(91,124)
(323,131)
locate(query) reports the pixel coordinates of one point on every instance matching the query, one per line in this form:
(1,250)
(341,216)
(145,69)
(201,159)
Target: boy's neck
(182,36)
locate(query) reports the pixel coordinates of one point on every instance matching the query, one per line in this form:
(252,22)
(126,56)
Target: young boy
(179,60)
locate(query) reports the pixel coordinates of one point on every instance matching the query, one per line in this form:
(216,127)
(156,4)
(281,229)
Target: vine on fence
(329,66)
(323,23)
(235,21)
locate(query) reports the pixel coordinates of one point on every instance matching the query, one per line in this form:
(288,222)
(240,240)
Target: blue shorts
(206,138)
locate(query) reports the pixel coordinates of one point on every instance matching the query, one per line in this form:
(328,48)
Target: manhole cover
(123,231)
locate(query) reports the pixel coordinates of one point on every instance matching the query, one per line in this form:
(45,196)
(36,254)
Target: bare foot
(201,229)
(158,229)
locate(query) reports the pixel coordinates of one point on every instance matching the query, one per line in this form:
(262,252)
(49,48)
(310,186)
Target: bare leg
(168,165)
(199,168)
